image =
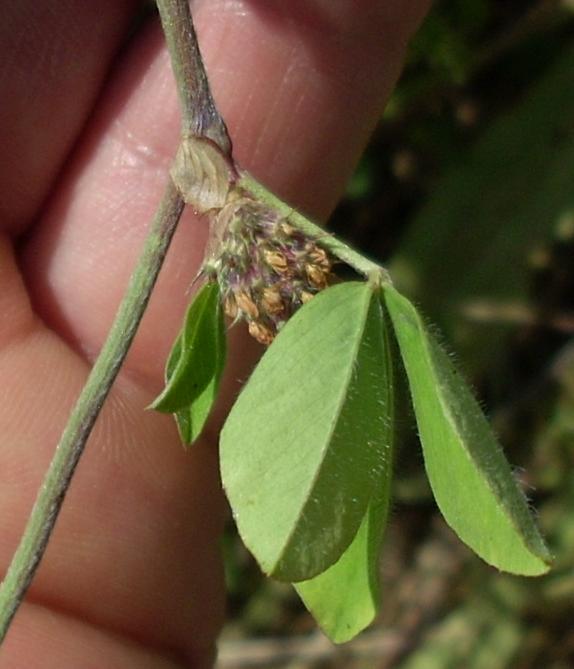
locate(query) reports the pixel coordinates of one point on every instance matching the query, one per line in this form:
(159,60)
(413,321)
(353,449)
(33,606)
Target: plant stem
(200,117)
(368,268)
(87,409)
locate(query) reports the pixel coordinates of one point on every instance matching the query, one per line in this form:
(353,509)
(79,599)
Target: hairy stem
(339,249)
(200,117)
(80,424)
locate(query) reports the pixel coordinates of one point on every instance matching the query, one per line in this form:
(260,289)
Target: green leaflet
(345,598)
(470,477)
(191,420)
(195,365)
(306,442)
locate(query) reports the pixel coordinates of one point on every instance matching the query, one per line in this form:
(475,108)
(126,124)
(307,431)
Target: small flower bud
(276,260)
(287,229)
(246,304)
(230,307)
(260,332)
(316,276)
(319,257)
(271,301)
(306,296)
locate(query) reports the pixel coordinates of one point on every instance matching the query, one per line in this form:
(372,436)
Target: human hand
(132,577)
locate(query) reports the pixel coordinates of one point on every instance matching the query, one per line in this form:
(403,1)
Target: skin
(88,125)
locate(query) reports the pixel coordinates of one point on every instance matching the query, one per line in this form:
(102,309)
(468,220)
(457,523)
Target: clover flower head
(266,267)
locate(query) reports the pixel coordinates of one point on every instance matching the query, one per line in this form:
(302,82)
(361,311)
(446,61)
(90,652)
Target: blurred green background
(467,193)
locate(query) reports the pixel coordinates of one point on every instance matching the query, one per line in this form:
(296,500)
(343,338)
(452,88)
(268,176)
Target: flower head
(265,266)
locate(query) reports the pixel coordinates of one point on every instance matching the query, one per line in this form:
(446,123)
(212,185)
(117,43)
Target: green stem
(200,117)
(368,268)
(87,409)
